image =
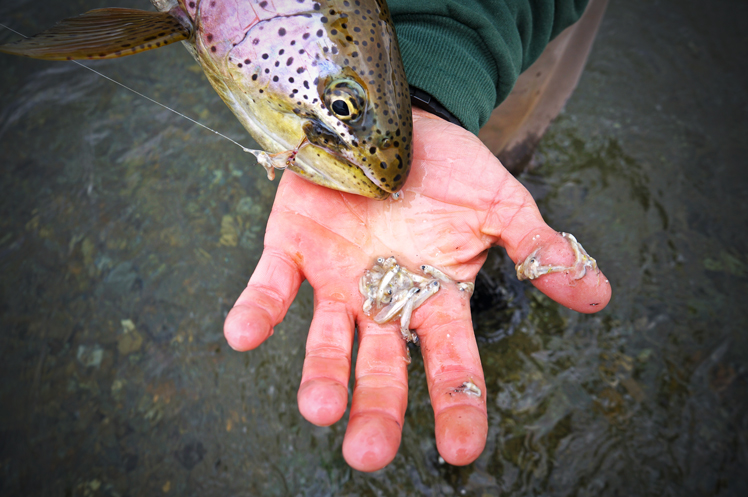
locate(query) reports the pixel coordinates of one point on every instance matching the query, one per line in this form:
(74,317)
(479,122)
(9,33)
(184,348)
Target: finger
(451,359)
(380,397)
(587,294)
(264,302)
(323,393)
(520,229)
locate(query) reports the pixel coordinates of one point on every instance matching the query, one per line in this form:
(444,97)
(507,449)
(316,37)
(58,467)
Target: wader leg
(516,126)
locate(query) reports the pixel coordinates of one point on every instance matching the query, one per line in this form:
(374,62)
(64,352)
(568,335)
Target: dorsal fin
(103,34)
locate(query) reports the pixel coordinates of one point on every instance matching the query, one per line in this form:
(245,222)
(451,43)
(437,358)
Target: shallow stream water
(127,232)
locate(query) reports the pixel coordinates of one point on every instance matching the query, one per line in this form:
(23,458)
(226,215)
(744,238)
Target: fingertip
(264,302)
(461,433)
(587,295)
(246,327)
(371,442)
(597,294)
(558,265)
(322,401)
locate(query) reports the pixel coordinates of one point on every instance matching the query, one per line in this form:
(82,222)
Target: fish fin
(104,34)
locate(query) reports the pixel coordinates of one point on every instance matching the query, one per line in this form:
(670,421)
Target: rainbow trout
(318,84)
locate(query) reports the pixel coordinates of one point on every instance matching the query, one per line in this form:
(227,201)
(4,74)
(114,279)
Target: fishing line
(254,152)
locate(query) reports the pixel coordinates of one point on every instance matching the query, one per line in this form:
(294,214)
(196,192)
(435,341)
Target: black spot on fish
(263,4)
(213,49)
(247,61)
(282,32)
(289,61)
(320,33)
(265,56)
(210,37)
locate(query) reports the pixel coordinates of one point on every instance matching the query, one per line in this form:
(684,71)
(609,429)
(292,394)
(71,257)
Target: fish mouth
(325,159)
(325,167)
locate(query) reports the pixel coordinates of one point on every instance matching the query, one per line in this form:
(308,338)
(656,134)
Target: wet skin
(458,202)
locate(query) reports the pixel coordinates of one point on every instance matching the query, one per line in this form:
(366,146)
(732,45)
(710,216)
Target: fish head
(318,83)
(326,82)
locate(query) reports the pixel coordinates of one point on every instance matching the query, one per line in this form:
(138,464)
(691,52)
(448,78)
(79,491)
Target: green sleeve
(468,54)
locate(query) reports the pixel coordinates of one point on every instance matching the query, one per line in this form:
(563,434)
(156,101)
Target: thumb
(556,263)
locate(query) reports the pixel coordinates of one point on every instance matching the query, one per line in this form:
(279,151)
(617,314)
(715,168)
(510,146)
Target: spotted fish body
(318,83)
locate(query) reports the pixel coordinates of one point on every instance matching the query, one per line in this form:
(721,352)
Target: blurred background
(126,233)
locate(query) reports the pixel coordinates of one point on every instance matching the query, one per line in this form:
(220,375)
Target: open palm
(457,202)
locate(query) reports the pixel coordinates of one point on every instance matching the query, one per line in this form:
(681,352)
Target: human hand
(457,202)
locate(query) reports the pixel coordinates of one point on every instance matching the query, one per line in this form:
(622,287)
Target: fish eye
(340,108)
(346,99)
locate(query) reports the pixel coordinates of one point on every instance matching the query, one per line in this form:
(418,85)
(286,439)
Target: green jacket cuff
(469,54)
